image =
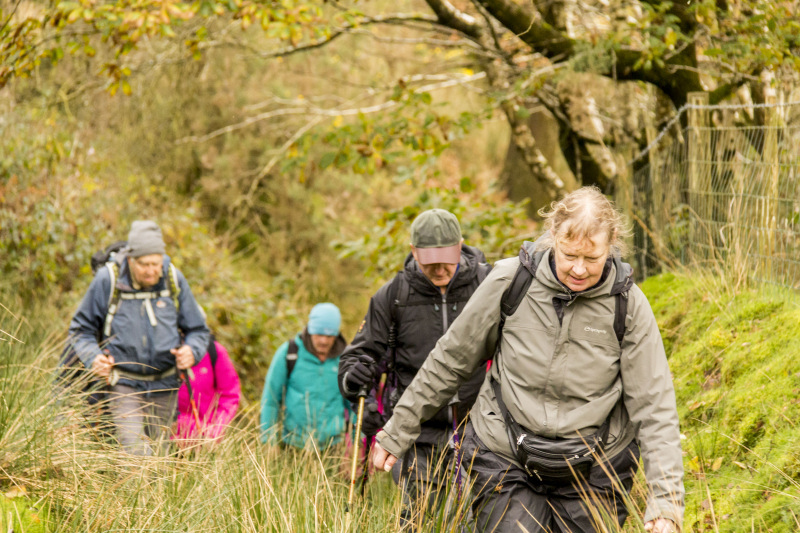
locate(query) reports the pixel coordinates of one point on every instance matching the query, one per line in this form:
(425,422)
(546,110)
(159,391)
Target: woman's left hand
(662,525)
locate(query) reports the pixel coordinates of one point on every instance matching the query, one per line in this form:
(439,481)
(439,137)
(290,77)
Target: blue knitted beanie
(324,319)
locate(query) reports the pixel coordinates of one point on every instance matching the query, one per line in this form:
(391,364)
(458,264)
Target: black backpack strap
(398,295)
(620,315)
(516,290)
(291,358)
(212,351)
(514,293)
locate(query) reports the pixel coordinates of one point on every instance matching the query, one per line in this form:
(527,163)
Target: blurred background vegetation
(261,227)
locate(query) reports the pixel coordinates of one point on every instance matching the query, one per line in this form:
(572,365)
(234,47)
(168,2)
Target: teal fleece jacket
(312,403)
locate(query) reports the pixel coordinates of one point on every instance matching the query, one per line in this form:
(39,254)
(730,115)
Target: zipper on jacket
(444,311)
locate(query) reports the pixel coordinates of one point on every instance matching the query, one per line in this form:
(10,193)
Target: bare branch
(527,23)
(344,30)
(309,109)
(460,43)
(248,199)
(451,17)
(490,25)
(10,16)
(731,71)
(501,75)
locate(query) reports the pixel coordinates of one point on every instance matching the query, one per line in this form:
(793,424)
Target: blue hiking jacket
(312,403)
(136,345)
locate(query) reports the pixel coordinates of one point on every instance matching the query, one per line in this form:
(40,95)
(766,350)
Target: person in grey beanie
(138,328)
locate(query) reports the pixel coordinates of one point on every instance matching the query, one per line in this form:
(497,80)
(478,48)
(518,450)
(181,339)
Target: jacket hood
(336,350)
(471,257)
(532,257)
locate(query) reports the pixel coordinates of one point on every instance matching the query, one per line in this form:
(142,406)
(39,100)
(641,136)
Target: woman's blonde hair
(582,214)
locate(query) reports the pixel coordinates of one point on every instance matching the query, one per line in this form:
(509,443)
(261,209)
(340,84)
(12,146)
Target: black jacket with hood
(423,314)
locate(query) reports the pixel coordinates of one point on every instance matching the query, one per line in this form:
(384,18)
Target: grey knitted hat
(145,239)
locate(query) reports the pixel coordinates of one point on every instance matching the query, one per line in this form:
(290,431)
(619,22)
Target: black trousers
(424,475)
(505,497)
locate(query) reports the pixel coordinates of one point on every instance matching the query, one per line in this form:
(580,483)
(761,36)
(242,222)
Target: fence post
(772,166)
(698,159)
(661,205)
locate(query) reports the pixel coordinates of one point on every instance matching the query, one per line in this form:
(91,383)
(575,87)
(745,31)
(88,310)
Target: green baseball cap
(436,235)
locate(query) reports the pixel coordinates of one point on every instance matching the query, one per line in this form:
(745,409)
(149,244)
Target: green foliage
(494,227)
(49,224)
(26,39)
(414,126)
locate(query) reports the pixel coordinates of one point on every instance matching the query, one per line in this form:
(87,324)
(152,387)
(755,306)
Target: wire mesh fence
(720,194)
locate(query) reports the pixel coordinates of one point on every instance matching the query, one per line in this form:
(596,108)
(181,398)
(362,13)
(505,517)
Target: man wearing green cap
(405,319)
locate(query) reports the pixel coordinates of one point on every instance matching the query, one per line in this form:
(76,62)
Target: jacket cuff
(349,394)
(389,444)
(654,512)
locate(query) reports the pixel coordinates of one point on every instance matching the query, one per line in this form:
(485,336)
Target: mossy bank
(735,359)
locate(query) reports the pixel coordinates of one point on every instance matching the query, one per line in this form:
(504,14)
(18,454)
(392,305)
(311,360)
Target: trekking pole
(457,446)
(362,394)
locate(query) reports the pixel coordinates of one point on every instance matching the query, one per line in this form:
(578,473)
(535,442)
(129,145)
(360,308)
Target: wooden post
(659,202)
(698,160)
(772,166)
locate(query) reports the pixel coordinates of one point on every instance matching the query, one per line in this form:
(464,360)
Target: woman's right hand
(102,364)
(382,459)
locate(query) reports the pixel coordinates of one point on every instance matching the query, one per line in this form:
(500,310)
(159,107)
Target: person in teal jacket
(309,395)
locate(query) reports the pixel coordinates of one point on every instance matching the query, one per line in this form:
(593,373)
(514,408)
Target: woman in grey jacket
(562,382)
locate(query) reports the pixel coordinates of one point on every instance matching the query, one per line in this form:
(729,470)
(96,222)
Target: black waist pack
(552,461)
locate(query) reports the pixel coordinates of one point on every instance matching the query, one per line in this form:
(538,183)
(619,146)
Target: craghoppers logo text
(590,329)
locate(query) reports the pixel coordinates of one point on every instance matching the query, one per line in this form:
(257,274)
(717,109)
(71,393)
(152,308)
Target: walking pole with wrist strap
(362,394)
(457,449)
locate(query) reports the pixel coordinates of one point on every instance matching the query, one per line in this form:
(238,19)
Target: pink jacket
(216,393)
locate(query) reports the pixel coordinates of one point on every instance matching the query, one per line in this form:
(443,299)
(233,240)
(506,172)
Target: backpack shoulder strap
(520,284)
(620,290)
(212,351)
(291,358)
(398,295)
(113,298)
(620,315)
(172,284)
(515,292)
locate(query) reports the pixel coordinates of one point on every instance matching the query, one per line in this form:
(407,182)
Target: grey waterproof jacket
(135,343)
(559,376)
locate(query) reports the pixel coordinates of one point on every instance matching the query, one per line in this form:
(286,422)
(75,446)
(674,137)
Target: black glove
(362,373)
(373,421)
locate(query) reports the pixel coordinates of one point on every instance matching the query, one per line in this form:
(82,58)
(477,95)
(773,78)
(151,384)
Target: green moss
(734,358)
(22,516)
